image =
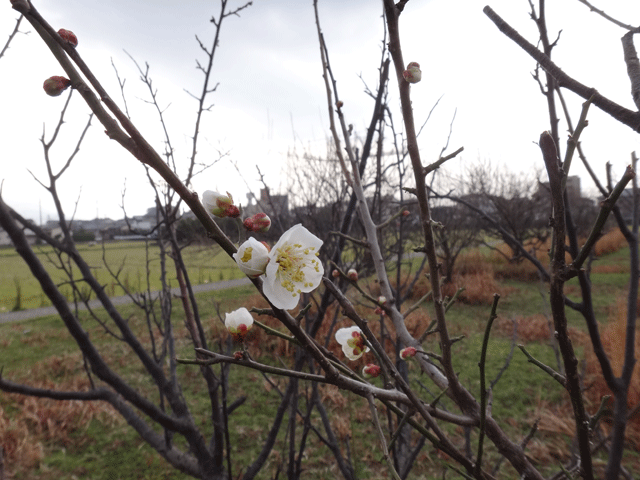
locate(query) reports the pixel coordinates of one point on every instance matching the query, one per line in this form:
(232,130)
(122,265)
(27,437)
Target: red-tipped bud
(408,352)
(238,355)
(406,213)
(54,86)
(412,74)
(260,222)
(379,311)
(335,274)
(68,36)
(352,274)
(371,370)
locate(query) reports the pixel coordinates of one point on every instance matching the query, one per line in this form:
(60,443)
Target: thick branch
(623,115)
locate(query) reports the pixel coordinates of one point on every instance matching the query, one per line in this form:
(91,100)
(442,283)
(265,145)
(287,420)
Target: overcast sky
(271,93)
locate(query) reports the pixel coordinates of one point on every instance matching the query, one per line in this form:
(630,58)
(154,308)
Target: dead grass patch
(613,337)
(610,242)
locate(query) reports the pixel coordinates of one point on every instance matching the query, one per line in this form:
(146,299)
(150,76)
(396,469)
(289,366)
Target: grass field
(129,260)
(48,440)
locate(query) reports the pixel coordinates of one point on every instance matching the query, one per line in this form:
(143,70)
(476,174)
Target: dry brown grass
(479,288)
(610,242)
(31,422)
(613,337)
(535,328)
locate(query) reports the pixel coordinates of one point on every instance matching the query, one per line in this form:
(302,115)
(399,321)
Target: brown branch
(633,66)
(608,17)
(620,113)
(11,36)
(556,297)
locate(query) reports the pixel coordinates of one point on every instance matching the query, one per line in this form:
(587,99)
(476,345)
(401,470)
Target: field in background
(129,260)
(48,440)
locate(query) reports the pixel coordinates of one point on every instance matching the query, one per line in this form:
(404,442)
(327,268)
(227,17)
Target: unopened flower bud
(408,352)
(219,205)
(69,37)
(238,355)
(54,86)
(260,222)
(379,311)
(406,213)
(352,274)
(412,74)
(252,258)
(370,370)
(382,299)
(238,323)
(335,274)
(339,104)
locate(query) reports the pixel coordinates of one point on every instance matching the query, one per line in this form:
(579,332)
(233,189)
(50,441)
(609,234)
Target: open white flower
(252,257)
(352,342)
(293,267)
(238,323)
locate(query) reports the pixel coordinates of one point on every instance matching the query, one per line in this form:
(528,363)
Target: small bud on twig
(69,37)
(54,86)
(412,74)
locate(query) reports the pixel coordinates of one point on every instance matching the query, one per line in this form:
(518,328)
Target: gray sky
(271,93)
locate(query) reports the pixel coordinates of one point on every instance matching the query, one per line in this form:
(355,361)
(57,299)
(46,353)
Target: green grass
(41,349)
(127,260)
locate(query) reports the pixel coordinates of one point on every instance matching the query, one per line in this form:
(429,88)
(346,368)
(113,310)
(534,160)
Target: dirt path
(124,300)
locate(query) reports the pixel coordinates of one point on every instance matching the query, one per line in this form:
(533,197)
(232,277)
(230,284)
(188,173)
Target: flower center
(292,259)
(356,343)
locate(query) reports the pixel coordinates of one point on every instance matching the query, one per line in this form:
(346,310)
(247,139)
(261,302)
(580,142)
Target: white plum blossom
(293,267)
(252,257)
(238,323)
(352,342)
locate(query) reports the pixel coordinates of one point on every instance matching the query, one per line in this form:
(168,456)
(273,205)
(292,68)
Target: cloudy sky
(271,93)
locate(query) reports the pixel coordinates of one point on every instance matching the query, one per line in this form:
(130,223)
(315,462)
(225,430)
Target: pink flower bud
(238,355)
(352,274)
(54,86)
(335,274)
(260,222)
(412,74)
(370,370)
(406,213)
(379,311)
(69,37)
(408,352)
